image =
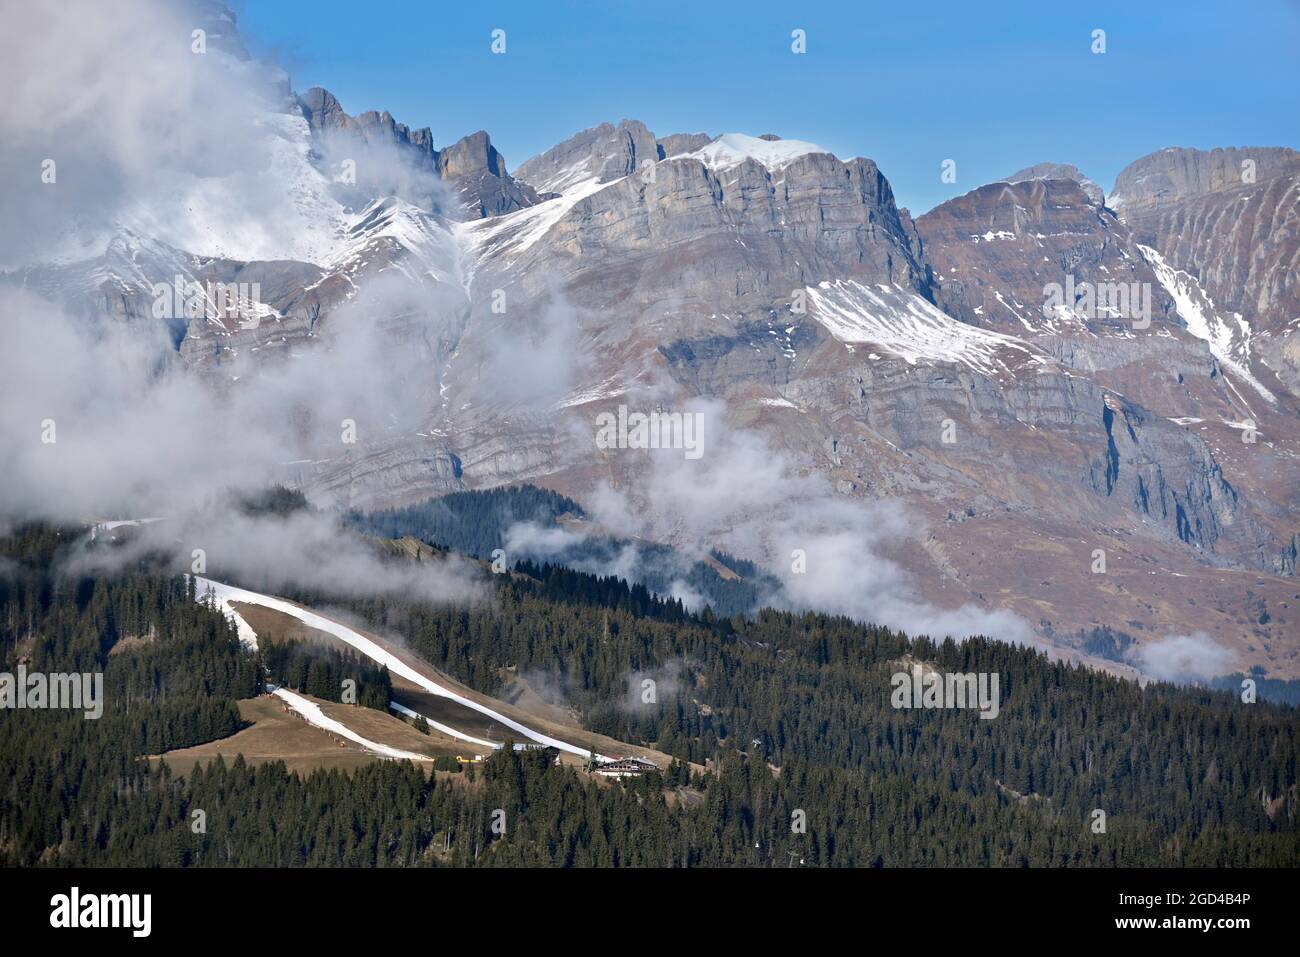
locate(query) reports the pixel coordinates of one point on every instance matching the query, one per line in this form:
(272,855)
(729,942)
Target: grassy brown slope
(277,735)
(272,625)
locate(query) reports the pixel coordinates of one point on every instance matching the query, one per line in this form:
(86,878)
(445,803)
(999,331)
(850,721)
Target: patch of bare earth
(279,734)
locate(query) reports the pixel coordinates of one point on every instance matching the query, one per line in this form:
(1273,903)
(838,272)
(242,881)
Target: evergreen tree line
(815,689)
(474,523)
(808,762)
(320,672)
(479,522)
(519,809)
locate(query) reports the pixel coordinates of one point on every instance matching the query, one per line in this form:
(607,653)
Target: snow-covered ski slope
(315,716)
(225,594)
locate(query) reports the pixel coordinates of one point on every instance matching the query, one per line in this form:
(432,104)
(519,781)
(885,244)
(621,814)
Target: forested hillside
(480,522)
(790,713)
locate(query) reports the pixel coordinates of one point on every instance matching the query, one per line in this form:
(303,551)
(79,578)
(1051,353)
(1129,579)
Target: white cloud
(750,499)
(1184,658)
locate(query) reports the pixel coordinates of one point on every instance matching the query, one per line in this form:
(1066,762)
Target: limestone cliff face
(1174,174)
(724,240)
(1235,229)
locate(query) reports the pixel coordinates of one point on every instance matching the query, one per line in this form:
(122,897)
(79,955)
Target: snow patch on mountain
(568,178)
(1229,338)
(516,233)
(313,715)
(223,595)
(608,389)
(732,149)
(903,323)
(394,225)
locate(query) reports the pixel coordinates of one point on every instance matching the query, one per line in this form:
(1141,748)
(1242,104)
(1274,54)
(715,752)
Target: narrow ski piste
(312,713)
(225,594)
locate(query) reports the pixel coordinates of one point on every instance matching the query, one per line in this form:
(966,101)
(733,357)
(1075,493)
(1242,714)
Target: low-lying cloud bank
(99,421)
(829,552)
(1184,659)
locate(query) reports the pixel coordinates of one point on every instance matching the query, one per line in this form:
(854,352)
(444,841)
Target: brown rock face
(1174,174)
(995,253)
(995,250)
(1241,240)
(1059,171)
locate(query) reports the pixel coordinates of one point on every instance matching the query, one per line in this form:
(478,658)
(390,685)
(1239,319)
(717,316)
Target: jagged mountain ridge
(1114,423)
(787,283)
(472,164)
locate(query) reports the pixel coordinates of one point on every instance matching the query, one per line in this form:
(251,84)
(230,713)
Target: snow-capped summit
(732,149)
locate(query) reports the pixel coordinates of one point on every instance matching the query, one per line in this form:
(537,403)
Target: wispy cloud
(1184,658)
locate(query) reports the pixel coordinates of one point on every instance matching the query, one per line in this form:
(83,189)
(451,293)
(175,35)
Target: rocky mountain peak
(605,152)
(326,118)
(994,250)
(1058,171)
(1013,207)
(1175,174)
(676,143)
(472,162)
(219,23)
(471,154)
(322,110)
(479,172)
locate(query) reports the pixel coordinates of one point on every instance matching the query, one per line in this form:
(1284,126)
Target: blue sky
(994,86)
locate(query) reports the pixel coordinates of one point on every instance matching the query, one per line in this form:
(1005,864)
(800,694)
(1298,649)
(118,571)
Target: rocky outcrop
(1166,475)
(1059,171)
(603,152)
(472,164)
(676,143)
(220,27)
(479,173)
(997,249)
(1240,241)
(326,117)
(1175,174)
